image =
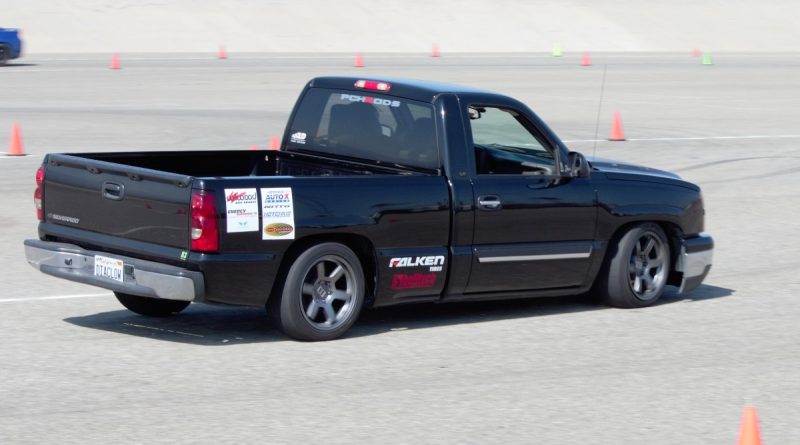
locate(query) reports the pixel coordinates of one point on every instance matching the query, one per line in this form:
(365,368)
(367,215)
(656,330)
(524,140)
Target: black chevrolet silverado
(384,192)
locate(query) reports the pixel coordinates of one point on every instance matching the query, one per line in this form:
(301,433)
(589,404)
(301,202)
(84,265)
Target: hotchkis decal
(241,208)
(298,138)
(413,281)
(277,213)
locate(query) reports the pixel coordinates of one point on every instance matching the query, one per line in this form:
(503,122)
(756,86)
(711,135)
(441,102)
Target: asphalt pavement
(75,367)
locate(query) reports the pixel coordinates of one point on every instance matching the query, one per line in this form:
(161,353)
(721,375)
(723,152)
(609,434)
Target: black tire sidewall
(618,290)
(291,319)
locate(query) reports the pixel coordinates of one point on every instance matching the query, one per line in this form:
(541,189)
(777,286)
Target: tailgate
(117,199)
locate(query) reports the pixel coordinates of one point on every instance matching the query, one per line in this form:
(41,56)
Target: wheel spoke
(320,270)
(330,314)
(656,263)
(637,284)
(336,274)
(312,310)
(341,295)
(649,246)
(648,281)
(308,289)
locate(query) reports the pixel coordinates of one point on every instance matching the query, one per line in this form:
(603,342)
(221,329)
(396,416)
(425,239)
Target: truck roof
(421,90)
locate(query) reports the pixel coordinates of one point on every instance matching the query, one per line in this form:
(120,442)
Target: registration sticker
(111,268)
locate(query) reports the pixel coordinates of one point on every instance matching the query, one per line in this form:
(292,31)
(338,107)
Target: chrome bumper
(694,261)
(140,277)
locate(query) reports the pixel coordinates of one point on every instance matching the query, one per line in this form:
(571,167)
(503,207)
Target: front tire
(322,295)
(636,273)
(151,307)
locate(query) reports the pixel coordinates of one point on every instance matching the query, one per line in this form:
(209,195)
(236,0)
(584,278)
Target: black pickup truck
(384,191)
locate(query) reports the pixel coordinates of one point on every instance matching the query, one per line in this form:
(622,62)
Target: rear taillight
(204,231)
(38,194)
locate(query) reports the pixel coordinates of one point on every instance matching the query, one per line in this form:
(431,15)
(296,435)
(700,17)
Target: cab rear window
(366,126)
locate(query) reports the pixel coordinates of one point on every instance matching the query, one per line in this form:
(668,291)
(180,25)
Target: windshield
(366,126)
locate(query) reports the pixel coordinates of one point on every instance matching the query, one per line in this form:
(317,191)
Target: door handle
(489,202)
(112,190)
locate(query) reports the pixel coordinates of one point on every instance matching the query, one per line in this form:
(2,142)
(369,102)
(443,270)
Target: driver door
(534,229)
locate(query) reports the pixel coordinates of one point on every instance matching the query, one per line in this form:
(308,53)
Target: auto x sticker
(277,213)
(370,100)
(241,209)
(434,262)
(298,138)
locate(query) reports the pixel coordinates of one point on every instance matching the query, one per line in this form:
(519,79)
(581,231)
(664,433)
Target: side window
(503,145)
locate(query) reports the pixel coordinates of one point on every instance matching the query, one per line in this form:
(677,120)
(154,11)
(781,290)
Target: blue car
(10,45)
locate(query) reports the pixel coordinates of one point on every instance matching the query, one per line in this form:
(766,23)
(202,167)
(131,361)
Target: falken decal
(435,262)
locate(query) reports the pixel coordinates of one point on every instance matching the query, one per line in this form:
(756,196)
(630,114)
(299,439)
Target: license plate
(110,268)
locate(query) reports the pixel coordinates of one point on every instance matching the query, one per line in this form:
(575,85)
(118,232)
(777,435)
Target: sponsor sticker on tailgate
(277,213)
(241,209)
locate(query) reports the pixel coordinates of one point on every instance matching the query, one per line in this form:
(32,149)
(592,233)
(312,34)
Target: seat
(355,127)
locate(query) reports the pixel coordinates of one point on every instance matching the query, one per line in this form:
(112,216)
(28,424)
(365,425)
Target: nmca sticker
(278,229)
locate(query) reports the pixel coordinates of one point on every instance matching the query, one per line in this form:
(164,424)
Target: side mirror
(578,165)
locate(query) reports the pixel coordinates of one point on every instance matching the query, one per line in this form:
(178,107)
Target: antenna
(599,107)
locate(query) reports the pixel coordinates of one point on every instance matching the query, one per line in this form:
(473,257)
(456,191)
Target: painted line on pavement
(694,138)
(53,297)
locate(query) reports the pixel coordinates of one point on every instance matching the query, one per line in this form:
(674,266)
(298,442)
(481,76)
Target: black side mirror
(578,165)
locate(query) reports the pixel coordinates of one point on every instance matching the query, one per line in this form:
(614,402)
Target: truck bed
(243,163)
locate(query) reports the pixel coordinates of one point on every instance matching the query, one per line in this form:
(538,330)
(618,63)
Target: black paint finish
(422,234)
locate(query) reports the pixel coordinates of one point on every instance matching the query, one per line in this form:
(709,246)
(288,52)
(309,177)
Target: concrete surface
(403,25)
(77,368)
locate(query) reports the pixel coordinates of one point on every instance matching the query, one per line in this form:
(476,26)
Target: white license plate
(110,268)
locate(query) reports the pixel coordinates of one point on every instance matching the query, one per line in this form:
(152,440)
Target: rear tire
(151,307)
(636,272)
(4,54)
(322,295)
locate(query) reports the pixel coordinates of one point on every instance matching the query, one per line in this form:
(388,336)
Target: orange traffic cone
(586,60)
(115,64)
(616,128)
(15,147)
(222,54)
(274,143)
(750,433)
(359,62)
(435,51)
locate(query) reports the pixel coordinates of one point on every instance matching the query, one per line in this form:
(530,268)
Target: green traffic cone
(557,50)
(707,59)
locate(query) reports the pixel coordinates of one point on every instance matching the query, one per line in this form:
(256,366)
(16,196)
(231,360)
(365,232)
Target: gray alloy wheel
(328,292)
(322,294)
(636,268)
(647,271)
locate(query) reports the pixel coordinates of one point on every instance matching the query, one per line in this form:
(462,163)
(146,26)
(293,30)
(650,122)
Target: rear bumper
(695,260)
(140,277)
